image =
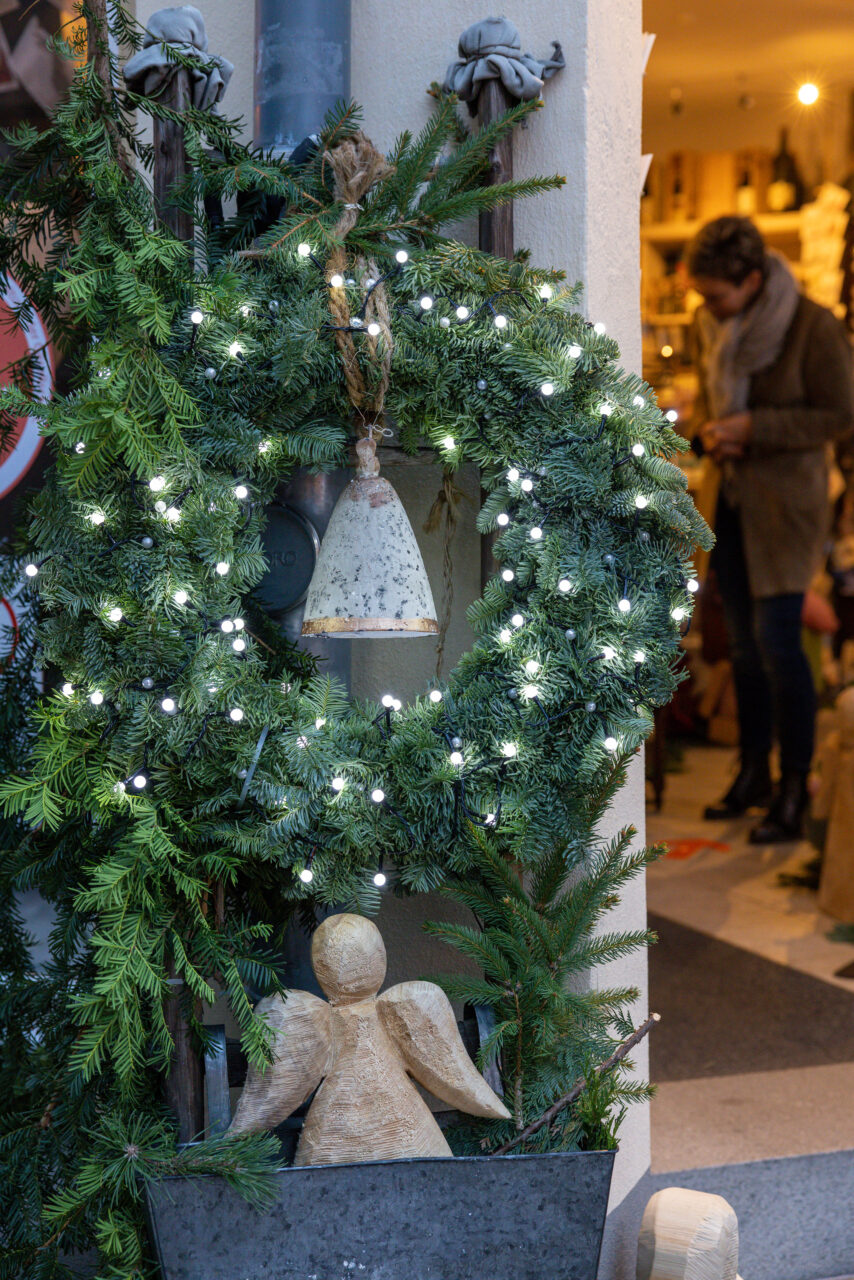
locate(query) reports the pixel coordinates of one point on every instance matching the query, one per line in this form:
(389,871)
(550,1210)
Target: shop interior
(752,114)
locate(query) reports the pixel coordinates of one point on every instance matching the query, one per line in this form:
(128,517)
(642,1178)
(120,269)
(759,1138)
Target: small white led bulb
(337,281)
(96,697)
(501,519)
(564,585)
(337,784)
(574,351)
(546,291)
(236,714)
(304,249)
(168,705)
(508,575)
(241,492)
(196,316)
(435,695)
(401,256)
(97,517)
(641,502)
(425,302)
(378,795)
(115,614)
(68,689)
(518,620)
(448,442)
(509,750)
(180,597)
(500,321)
(157,483)
(222,567)
(379,879)
(624,605)
(456,758)
(306,875)
(547,389)
(638,449)
(463,313)
(536,533)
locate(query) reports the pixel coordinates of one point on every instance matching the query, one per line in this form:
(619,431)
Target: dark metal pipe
(302,67)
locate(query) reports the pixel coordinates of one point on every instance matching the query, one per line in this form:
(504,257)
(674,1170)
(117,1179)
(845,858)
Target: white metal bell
(369,580)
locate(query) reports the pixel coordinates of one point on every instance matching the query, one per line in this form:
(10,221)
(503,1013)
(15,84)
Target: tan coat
(799,405)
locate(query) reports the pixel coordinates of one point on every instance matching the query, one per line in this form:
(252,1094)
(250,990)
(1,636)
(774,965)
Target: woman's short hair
(727,249)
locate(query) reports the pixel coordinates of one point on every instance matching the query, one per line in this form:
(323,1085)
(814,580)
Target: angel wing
(302,1046)
(420,1020)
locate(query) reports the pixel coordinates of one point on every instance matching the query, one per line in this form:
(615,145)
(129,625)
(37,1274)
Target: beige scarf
(733,350)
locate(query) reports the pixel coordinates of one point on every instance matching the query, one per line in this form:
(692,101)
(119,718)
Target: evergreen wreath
(195,782)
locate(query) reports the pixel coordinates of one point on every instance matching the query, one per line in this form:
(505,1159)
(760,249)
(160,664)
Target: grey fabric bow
(492,50)
(183,30)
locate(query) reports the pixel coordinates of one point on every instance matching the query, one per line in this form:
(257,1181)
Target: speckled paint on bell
(369,579)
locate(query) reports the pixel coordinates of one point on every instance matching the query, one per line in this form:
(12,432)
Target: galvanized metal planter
(536,1217)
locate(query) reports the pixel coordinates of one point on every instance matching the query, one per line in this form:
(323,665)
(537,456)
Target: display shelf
(774,226)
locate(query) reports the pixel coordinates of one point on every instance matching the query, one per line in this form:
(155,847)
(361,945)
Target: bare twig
(580,1085)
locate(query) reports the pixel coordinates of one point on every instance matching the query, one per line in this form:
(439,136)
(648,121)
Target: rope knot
(356,167)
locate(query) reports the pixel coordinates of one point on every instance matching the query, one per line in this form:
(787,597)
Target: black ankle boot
(784,820)
(752,787)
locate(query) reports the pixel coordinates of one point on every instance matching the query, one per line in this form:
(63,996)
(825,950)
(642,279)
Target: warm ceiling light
(808,94)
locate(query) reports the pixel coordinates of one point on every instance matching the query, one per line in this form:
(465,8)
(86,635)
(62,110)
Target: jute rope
(357,166)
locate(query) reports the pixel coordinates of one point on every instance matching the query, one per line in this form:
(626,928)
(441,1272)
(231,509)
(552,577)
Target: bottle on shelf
(746,194)
(786,189)
(679,205)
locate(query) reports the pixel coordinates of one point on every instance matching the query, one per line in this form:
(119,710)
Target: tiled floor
(732,893)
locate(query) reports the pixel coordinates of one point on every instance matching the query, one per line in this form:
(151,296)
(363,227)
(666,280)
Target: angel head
(348,958)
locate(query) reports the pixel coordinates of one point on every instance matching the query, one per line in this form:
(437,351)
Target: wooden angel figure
(833,800)
(363,1048)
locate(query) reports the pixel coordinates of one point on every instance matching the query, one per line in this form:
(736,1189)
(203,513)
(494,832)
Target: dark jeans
(773,680)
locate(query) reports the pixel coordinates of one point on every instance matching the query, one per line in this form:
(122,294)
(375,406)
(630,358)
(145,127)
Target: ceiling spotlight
(808,94)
